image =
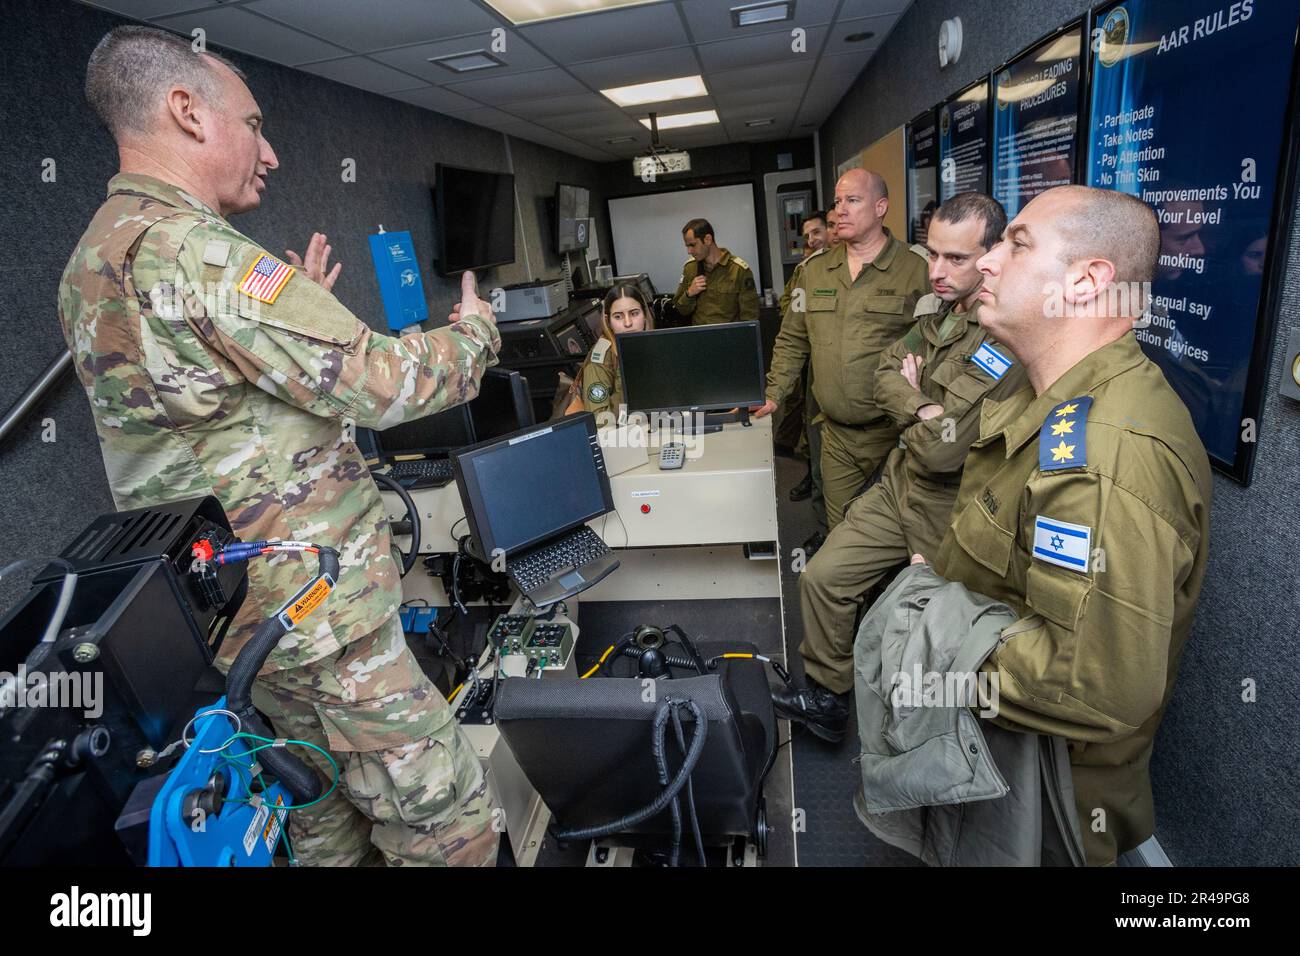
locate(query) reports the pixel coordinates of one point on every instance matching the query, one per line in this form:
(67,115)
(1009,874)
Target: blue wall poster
(964,142)
(1189,110)
(398,272)
(1036,102)
(922,174)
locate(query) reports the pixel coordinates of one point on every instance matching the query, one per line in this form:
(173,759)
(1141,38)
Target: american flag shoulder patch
(265,278)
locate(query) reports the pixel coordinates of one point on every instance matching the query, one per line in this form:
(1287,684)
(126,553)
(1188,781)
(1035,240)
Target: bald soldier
(932,383)
(1084,504)
(716,286)
(852,302)
(214,368)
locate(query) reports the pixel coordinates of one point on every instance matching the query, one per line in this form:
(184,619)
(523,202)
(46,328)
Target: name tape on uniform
(1062,543)
(992,361)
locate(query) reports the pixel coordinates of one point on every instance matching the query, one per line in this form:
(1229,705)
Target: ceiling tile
(362,73)
(871,8)
(880,26)
(576,105)
(711,19)
(363,26)
(766,48)
(483,116)
(146,9)
(608,124)
(238,30)
(763,95)
(596,35)
(778,112)
(435,98)
(756,76)
(519,87)
(517,56)
(637,68)
(552,140)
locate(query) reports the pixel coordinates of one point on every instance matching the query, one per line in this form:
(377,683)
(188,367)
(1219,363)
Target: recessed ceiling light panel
(680,120)
(534,11)
(659,91)
(467,62)
(752,14)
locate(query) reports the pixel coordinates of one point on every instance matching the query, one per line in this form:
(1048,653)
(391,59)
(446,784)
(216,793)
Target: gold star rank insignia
(1068,418)
(1062,452)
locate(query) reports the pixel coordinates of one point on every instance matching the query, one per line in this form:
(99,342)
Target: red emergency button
(645,509)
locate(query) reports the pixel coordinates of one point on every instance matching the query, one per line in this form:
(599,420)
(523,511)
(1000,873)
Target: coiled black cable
(296,776)
(657,805)
(412,512)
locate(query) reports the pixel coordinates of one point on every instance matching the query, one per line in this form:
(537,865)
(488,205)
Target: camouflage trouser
(411,791)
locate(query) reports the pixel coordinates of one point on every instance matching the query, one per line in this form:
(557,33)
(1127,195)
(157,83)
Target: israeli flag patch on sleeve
(1059,542)
(992,361)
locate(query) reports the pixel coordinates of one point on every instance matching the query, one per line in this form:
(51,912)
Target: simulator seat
(588,747)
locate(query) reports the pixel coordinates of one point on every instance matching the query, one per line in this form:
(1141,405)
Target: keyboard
(425,473)
(535,570)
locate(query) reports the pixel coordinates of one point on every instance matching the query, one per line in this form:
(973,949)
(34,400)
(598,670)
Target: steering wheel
(411,526)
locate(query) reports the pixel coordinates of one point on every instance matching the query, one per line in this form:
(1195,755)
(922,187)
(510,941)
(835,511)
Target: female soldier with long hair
(597,387)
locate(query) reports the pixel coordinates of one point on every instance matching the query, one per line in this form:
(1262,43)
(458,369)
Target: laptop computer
(528,497)
(416,452)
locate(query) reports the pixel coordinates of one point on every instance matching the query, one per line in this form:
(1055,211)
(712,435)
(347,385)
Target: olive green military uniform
(908,510)
(790,425)
(802,403)
(1087,509)
(212,368)
(731,295)
(844,325)
(598,380)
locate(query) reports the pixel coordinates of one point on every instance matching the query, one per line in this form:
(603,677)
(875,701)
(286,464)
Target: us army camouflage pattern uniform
(197,389)
(1110,451)
(908,510)
(844,325)
(731,295)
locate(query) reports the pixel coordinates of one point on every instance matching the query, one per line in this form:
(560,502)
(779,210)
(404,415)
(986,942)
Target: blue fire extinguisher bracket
(399,278)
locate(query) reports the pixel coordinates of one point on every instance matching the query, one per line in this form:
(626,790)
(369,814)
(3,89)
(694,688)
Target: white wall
(648,229)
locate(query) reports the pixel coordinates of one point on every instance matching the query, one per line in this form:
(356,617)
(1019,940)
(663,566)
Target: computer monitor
(435,435)
(503,404)
(690,369)
(537,483)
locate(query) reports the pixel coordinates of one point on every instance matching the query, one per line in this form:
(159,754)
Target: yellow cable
(595,667)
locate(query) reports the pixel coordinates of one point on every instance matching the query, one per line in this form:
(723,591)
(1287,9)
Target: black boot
(824,712)
(803,490)
(813,544)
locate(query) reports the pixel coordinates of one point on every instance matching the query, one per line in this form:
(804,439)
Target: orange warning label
(308,601)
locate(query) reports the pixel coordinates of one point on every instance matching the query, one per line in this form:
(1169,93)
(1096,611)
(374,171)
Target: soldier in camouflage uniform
(214,368)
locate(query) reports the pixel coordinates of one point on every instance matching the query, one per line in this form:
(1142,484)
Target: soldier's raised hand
(316,262)
(470,303)
(698,285)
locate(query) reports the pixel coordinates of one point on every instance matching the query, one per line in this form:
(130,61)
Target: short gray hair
(131,69)
(1111,225)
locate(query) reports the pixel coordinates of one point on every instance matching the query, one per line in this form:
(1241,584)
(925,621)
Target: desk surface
(725,493)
